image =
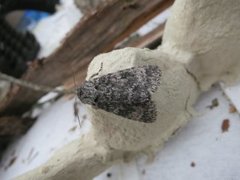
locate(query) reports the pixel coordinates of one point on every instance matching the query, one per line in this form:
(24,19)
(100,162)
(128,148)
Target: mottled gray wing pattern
(126,93)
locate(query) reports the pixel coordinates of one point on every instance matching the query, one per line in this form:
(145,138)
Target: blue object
(30,19)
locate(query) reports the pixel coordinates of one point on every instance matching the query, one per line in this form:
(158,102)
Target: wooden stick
(32,86)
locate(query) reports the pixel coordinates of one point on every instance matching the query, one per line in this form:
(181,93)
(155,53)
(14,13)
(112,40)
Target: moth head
(87,93)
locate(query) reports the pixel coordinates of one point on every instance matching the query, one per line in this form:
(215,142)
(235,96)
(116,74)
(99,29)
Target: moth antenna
(96,74)
(75,104)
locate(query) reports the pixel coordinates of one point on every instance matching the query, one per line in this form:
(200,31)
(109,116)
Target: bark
(86,6)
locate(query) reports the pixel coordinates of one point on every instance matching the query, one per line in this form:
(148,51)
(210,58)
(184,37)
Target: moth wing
(133,85)
(127,93)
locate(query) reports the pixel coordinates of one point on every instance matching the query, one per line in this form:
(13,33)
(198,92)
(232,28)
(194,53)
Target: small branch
(32,86)
(149,39)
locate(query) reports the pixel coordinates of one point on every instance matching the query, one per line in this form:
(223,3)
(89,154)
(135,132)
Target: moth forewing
(127,93)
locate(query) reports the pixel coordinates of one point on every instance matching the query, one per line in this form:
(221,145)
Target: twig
(33,86)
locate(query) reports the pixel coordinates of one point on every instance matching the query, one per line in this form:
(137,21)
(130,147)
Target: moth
(127,93)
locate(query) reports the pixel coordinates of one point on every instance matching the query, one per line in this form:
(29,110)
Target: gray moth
(127,93)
